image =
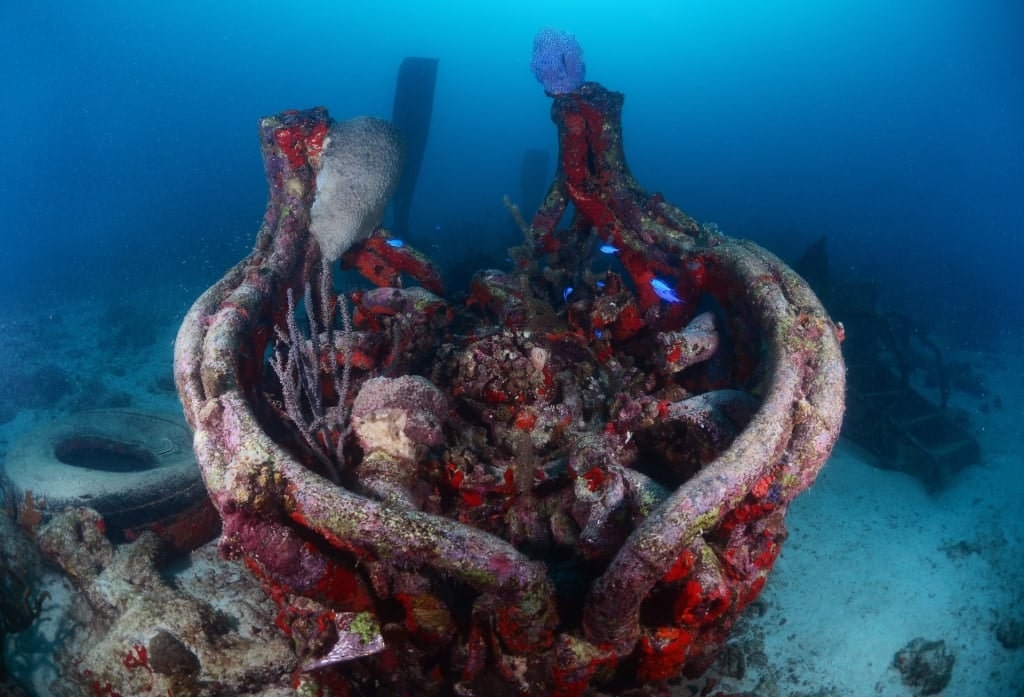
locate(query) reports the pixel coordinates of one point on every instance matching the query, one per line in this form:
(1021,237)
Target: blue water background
(130,156)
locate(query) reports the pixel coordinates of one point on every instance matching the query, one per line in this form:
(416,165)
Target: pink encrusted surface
(444,564)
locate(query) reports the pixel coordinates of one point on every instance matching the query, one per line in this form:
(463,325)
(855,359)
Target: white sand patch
(874,561)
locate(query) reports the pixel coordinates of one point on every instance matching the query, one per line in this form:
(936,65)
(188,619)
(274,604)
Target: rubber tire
(126,499)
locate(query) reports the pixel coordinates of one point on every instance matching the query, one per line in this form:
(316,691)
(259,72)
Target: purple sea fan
(557,61)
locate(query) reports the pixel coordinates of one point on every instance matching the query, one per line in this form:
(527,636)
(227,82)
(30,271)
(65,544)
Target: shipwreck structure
(570,482)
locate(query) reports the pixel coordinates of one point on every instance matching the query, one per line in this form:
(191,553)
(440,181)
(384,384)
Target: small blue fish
(566,293)
(609,249)
(396,243)
(598,333)
(599,284)
(665,291)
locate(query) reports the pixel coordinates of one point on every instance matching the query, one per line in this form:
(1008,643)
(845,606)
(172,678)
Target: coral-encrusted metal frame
(698,558)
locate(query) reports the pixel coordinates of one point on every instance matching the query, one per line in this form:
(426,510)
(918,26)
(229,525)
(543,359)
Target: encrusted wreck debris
(570,482)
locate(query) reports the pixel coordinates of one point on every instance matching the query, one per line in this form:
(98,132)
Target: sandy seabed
(873,561)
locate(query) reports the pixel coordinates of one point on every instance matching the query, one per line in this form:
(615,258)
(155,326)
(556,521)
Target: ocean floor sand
(874,561)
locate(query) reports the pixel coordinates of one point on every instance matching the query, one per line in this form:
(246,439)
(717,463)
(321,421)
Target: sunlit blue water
(893,128)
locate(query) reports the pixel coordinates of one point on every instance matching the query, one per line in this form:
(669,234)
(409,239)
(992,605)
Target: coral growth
(359,170)
(137,632)
(569,482)
(557,61)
